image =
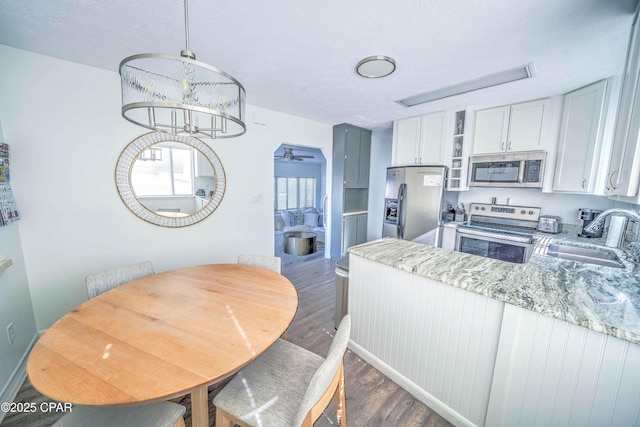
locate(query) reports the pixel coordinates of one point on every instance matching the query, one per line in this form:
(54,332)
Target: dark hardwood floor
(372,398)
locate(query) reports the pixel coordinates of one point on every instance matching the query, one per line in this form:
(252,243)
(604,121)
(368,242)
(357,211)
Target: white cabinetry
(624,169)
(580,147)
(552,373)
(203,166)
(419,140)
(518,127)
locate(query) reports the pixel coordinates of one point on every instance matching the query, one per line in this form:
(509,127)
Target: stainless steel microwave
(519,170)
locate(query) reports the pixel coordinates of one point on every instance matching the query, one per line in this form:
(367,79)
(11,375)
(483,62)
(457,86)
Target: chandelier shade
(180,95)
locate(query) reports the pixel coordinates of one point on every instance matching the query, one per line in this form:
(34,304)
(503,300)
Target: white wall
(15,307)
(381,147)
(63,123)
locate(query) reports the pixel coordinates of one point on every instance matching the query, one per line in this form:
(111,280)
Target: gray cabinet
(356,159)
(350,185)
(354,230)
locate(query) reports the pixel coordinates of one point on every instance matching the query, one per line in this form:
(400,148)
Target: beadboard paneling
(440,338)
(553,373)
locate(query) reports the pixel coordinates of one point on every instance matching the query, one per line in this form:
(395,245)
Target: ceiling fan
(288,156)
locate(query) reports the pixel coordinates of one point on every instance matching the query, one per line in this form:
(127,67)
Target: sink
(596,256)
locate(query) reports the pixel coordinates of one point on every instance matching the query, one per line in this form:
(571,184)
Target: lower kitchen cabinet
(354,230)
(552,373)
(480,362)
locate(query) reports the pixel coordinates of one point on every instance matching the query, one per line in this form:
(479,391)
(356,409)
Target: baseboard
(416,391)
(12,387)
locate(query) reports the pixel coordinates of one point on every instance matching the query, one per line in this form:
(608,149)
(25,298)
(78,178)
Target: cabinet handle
(509,146)
(584,181)
(502,146)
(611,178)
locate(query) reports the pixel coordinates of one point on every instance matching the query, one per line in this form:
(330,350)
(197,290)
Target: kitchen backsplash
(563,205)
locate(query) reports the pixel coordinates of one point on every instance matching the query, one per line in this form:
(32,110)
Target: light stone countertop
(603,299)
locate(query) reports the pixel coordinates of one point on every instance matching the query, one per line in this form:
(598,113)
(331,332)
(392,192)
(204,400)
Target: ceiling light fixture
(524,72)
(180,95)
(374,67)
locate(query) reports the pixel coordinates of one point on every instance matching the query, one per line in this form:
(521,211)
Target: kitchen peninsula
(485,342)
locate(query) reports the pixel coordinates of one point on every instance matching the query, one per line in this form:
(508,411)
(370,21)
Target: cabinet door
(580,139)
(525,125)
(364,159)
(432,133)
(354,231)
(406,141)
(203,166)
(491,130)
(349,232)
(361,228)
(624,169)
(352,158)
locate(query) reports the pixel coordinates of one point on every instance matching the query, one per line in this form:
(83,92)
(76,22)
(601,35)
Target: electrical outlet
(11,333)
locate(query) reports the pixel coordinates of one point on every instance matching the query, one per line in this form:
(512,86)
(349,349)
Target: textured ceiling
(298,56)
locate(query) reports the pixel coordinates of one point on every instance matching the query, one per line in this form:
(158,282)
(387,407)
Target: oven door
(508,248)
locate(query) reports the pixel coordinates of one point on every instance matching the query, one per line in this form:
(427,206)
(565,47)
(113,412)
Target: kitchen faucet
(598,222)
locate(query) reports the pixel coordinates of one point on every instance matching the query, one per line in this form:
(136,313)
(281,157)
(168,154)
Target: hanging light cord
(187,52)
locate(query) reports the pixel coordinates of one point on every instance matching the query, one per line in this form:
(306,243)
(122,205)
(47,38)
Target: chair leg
(340,399)
(222,419)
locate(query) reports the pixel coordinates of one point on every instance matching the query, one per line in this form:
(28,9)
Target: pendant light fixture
(182,96)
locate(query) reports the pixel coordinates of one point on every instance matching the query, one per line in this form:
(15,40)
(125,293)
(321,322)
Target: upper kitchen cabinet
(203,167)
(624,168)
(419,140)
(518,127)
(585,138)
(357,150)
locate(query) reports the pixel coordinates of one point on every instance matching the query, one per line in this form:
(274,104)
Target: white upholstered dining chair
(271,262)
(161,414)
(286,386)
(101,282)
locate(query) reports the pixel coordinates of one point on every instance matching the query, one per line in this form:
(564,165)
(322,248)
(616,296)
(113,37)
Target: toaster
(549,224)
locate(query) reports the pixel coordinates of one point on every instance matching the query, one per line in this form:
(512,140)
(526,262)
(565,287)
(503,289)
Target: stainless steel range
(501,232)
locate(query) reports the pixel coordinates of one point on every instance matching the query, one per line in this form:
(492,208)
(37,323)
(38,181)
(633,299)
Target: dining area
(133,353)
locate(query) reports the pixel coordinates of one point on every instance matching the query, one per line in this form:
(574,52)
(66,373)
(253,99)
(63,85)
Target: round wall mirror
(170,180)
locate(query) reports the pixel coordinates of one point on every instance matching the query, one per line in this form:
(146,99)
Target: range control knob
(482,208)
(530,212)
(523,212)
(477,207)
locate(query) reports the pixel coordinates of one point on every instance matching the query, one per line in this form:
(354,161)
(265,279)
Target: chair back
(327,372)
(101,282)
(271,262)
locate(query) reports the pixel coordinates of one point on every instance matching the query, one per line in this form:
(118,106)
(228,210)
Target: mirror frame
(123,179)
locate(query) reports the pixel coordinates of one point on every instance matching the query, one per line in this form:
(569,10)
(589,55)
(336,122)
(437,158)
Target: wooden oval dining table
(163,336)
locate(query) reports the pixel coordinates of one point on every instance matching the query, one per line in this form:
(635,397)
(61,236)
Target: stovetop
(504,218)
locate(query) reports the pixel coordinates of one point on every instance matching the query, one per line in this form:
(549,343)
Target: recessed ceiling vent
(524,72)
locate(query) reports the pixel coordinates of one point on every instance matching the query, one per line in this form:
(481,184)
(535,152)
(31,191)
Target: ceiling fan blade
(306,157)
(297,158)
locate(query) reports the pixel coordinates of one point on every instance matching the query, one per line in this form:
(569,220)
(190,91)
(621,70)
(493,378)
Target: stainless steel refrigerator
(413,202)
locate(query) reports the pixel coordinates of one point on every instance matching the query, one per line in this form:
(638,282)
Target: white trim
(12,387)
(432,402)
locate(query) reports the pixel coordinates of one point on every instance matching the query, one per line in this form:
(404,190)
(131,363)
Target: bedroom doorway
(300,197)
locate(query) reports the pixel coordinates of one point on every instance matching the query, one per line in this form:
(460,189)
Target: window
(295,193)
(171,174)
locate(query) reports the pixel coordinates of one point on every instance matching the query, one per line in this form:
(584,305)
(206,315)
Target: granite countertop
(603,299)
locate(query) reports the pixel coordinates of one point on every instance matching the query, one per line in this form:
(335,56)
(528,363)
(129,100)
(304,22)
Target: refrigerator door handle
(402,191)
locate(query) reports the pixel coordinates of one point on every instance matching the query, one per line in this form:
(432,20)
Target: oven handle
(495,236)
(402,192)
